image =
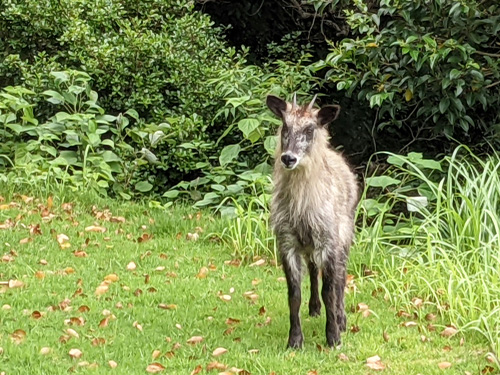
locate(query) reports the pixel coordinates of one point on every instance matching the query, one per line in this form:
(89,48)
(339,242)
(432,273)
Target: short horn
(310,106)
(294,103)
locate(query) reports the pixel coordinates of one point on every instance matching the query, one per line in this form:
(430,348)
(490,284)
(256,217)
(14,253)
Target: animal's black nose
(288,160)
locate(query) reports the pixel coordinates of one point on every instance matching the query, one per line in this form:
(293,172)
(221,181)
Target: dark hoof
(296,342)
(342,322)
(334,343)
(314,309)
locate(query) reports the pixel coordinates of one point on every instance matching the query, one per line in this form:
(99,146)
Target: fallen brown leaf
(202,274)
(385,336)
(409,324)
(98,341)
(75,353)
(430,317)
(449,331)
(104,323)
(167,307)
(343,357)
(112,277)
(101,289)
(80,254)
(444,365)
(155,367)
(216,366)
(112,364)
(195,340)
(375,363)
(258,263)
(18,336)
(45,350)
(156,354)
(192,236)
(131,266)
(219,351)
(197,370)
(95,228)
(25,240)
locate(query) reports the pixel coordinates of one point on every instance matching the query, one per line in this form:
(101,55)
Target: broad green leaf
(54,97)
(109,156)
(228,154)
(248,125)
(150,156)
(60,76)
(171,194)
(455,73)
(429,164)
(381,181)
(143,186)
(218,187)
(444,104)
(133,113)
(270,144)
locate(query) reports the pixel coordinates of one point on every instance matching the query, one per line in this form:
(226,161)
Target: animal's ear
(328,114)
(276,105)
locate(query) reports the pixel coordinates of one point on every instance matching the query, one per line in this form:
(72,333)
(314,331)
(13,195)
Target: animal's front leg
(292,267)
(314,302)
(329,294)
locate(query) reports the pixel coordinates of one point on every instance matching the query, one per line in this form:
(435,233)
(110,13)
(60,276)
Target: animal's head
(301,128)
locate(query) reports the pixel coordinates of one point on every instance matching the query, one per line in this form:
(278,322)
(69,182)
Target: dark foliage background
(166,96)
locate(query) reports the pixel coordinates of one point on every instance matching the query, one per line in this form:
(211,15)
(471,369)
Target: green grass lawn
(124,322)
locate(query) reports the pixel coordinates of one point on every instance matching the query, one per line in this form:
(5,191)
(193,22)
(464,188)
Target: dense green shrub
(80,144)
(155,57)
(429,67)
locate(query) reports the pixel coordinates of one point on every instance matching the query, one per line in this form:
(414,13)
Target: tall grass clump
(448,252)
(248,228)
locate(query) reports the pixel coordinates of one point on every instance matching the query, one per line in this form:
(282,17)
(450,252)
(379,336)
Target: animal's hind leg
(292,267)
(329,294)
(340,284)
(314,302)
(340,291)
